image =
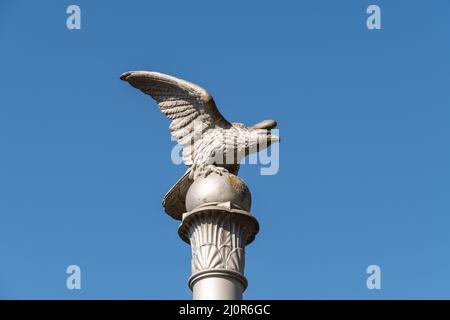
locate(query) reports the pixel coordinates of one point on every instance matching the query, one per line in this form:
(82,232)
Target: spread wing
(189,106)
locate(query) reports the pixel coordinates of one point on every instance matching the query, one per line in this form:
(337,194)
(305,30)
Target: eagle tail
(174,201)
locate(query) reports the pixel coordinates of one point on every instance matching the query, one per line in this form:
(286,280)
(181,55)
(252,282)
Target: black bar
(248,309)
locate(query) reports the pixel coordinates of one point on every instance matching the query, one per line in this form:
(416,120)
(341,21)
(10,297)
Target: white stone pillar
(218,232)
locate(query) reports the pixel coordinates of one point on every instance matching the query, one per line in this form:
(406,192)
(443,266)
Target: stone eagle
(210,143)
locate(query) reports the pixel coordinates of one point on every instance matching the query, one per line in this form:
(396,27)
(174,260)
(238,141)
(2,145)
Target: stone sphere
(216,189)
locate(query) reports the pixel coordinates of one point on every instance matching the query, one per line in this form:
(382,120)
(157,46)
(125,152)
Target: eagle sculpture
(210,143)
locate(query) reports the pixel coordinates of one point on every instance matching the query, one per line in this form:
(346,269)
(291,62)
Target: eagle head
(261,136)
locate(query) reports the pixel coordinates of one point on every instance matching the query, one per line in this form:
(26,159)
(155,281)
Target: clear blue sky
(365,156)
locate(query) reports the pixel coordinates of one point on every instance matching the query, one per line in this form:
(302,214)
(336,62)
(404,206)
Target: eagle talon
(206,170)
(218,170)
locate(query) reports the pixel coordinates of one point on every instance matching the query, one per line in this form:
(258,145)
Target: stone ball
(216,189)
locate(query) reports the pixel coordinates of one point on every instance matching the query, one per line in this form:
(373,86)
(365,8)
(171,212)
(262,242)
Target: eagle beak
(266,124)
(274,138)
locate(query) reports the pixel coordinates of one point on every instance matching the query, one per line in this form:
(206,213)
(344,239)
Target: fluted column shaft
(218,236)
